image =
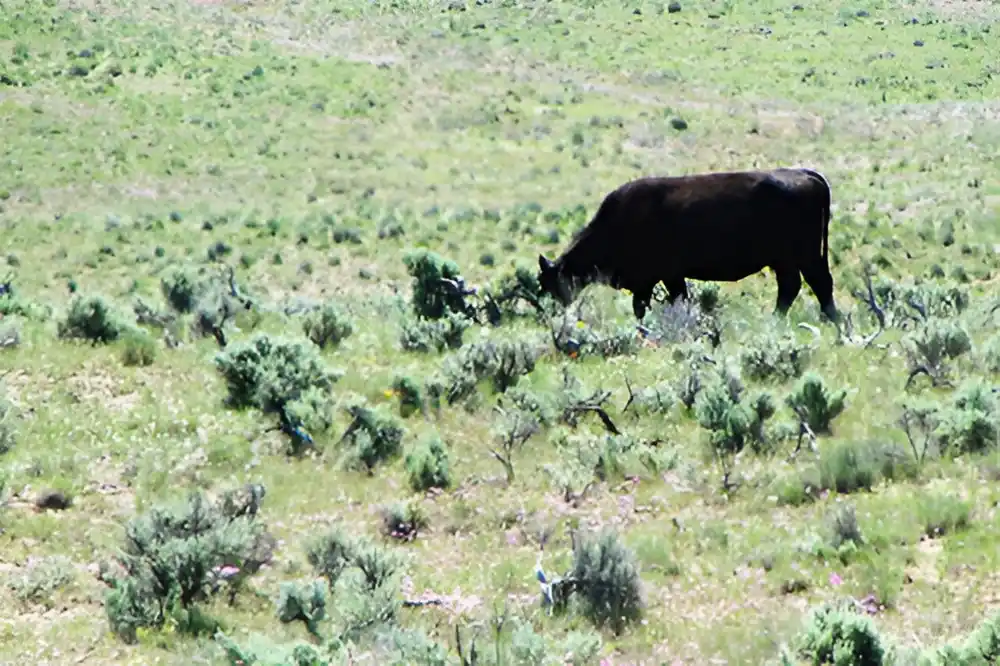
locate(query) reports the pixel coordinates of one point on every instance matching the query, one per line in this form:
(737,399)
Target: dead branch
(592,404)
(631,396)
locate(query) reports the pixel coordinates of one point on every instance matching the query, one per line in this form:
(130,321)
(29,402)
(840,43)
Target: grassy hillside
(291,179)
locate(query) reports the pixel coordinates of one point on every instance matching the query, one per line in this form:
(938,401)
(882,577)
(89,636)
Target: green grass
(138,138)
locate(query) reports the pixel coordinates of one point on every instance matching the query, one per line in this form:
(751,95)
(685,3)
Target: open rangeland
(252,412)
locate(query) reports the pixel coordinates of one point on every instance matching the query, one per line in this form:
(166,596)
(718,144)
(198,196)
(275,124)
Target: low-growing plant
(92,318)
(427,465)
(375,437)
(327,326)
(932,346)
(436,285)
(605,576)
(942,513)
(8,423)
(971,423)
(182,289)
(139,348)
(503,363)
(173,558)
(815,404)
(434,335)
(410,395)
(403,521)
(330,554)
(304,603)
(41,579)
(835,633)
(772,355)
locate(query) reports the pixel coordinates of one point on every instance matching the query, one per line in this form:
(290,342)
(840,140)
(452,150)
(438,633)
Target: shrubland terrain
(251,414)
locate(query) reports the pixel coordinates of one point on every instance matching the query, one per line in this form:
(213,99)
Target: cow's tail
(827,202)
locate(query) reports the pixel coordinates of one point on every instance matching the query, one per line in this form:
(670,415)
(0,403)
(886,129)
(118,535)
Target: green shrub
(376,437)
(171,559)
(774,356)
(434,335)
(931,346)
(815,404)
(942,513)
(836,634)
(427,465)
(327,326)
(330,554)
(302,603)
(503,363)
(433,298)
(8,425)
(605,575)
(971,424)
(92,318)
(269,373)
(411,398)
(403,521)
(182,289)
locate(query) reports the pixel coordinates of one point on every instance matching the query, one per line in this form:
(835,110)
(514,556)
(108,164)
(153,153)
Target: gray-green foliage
(836,634)
(933,344)
(971,423)
(170,559)
(37,582)
(182,289)
(434,335)
(302,602)
(815,404)
(502,362)
(94,319)
(606,579)
(769,355)
(8,423)
(732,417)
(433,297)
(271,372)
(375,437)
(427,465)
(327,325)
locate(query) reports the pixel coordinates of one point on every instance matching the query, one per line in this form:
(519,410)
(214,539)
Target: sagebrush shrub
(376,437)
(503,363)
(328,325)
(410,395)
(774,356)
(330,554)
(836,634)
(305,603)
(605,575)
(403,521)
(8,424)
(270,372)
(92,318)
(815,404)
(942,513)
(433,298)
(434,335)
(171,557)
(971,424)
(182,289)
(936,342)
(427,465)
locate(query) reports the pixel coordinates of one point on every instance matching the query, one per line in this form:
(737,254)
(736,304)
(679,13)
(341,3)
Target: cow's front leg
(640,301)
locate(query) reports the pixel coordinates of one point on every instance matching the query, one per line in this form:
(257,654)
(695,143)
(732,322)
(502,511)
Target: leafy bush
(433,297)
(270,373)
(605,575)
(732,419)
(980,648)
(403,521)
(376,437)
(172,560)
(434,335)
(330,554)
(971,424)
(503,363)
(302,603)
(782,357)
(933,344)
(427,465)
(836,634)
(182,289)
(842,523)
(327,326)
(410,394)
(92,318)
(815,404)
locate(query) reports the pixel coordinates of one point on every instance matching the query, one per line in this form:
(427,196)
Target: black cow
(717,226)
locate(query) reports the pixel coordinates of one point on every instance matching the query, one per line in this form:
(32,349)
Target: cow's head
(553,282)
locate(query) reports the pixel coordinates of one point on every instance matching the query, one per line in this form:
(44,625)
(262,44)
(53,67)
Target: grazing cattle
(718,226)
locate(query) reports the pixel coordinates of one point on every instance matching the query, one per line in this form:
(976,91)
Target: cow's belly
(723,271)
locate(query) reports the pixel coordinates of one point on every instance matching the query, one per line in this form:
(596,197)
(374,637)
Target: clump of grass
(942,513)
(139,348)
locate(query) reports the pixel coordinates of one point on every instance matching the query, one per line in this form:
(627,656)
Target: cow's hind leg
(789,284)
(817,276)
(676,289)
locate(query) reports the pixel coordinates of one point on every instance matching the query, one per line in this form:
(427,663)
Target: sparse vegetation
(295,245)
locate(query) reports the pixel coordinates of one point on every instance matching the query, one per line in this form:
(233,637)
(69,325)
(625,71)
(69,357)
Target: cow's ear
(544,264)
